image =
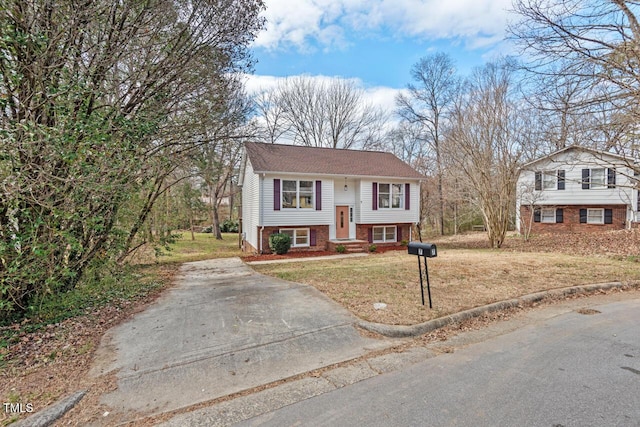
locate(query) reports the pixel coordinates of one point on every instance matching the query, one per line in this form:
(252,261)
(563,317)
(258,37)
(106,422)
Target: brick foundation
(248,248)
(322,237)
(571,220)
(362,233)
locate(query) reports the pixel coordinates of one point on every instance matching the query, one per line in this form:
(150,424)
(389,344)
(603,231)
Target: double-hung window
(390,196)
(384,234)
(548,216)
(297,194)
(299,236)
(595,216)
(550,180)
(598,178)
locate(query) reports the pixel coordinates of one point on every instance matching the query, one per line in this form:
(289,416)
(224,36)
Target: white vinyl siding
(573,163)
(250,205)
(366,215)
(297,217)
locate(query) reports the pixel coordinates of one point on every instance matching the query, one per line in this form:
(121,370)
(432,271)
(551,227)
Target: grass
(205,246)
(460,279)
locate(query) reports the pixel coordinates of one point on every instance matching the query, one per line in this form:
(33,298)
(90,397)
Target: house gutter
(261,214)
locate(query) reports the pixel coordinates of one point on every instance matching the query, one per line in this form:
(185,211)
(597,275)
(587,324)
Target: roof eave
(576,147)
(418,178)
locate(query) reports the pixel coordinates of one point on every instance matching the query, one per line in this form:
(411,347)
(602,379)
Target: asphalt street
(579,368)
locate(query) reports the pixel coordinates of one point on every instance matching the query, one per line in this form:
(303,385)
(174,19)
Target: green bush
(404,242)
(373,248)
(229,226)
(341,249)
(279,243)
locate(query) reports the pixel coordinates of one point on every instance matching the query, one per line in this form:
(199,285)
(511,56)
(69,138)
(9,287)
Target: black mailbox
(422,249)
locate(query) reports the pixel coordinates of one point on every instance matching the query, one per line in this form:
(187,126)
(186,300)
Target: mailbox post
(424,250)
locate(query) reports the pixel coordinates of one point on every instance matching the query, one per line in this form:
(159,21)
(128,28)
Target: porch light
(345,184)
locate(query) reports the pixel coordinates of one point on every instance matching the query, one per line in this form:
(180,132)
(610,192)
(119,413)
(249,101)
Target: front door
(342,222)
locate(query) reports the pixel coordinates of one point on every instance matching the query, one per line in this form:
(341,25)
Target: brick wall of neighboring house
(571,220)
(322,237)
(362,232)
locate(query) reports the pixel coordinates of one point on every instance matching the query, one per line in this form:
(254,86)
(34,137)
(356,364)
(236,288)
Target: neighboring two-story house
(577,189)
(323,197)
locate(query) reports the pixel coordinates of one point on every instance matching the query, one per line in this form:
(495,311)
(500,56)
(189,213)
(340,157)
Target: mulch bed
(307,254)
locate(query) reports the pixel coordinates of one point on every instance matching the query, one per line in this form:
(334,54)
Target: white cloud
(324,22)
(381,96)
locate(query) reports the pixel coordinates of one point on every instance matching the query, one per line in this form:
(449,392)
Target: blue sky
(375,41)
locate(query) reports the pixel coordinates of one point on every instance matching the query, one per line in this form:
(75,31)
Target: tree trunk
(216,221)
(215,217)
(193,236)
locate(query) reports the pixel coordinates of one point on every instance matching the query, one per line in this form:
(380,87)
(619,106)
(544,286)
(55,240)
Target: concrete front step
(350,246)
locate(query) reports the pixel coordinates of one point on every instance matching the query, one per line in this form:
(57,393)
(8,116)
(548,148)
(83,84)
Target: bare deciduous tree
(590,41)
(429,103)
(321,113)
(487,142)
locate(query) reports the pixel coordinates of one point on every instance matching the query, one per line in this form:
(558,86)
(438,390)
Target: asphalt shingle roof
(326,161)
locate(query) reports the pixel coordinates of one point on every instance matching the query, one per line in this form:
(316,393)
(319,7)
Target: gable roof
(592,151)
(326,161)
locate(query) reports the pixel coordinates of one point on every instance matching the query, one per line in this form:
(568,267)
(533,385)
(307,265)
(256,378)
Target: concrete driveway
(222,329)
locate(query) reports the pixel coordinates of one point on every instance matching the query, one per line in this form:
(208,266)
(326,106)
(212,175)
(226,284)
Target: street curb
(403,331)
(53,412)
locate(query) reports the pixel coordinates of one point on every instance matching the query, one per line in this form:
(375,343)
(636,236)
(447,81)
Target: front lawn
(205,246)
(460,279)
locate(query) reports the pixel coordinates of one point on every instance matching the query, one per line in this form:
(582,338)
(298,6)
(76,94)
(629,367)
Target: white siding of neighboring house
(388,216)
(572,162)
(297,217)
(250,205)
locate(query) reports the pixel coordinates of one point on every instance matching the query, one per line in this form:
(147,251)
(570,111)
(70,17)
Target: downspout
(261,214)
(261,231)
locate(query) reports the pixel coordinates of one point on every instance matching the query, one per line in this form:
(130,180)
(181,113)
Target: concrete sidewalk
(305,259)
(222,329)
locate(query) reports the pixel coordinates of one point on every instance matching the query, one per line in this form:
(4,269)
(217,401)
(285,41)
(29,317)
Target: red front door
(342,222)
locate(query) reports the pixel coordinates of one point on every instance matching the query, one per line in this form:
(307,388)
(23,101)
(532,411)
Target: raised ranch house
(324,197)
(577,189)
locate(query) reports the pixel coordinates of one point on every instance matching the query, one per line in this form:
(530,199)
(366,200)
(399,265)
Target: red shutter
(276,194)
(407,196)
(399,236)
(318,196)
(312,237)
(375,198)
(370,235)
